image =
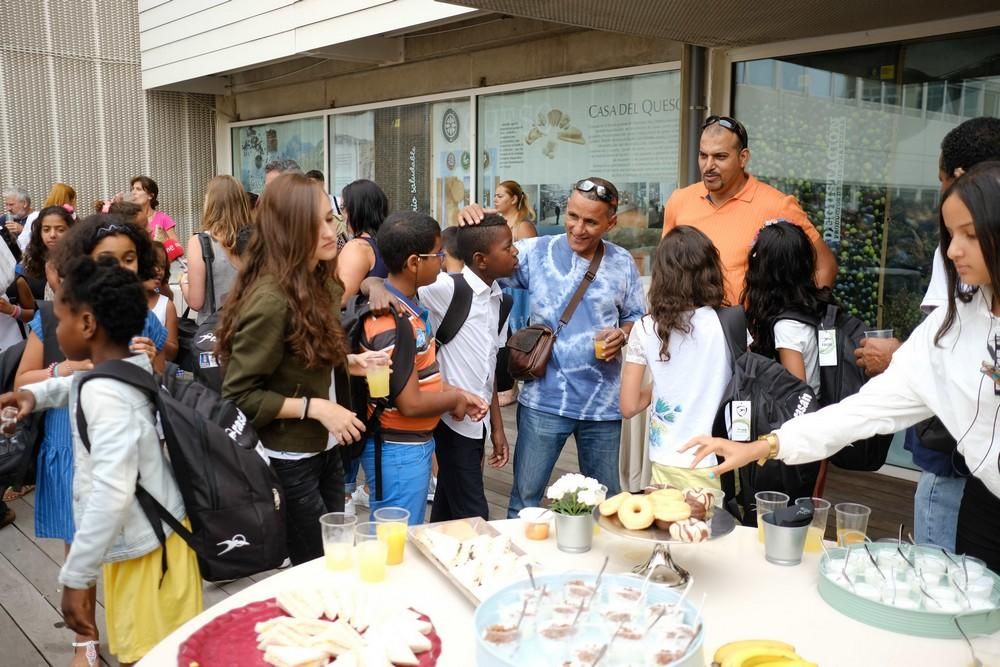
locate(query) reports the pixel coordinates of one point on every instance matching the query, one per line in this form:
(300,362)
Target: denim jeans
(935,509)
(406,473)
(540,439)
(313,487)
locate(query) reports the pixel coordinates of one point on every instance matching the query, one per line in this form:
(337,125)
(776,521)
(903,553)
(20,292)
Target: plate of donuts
(666,514)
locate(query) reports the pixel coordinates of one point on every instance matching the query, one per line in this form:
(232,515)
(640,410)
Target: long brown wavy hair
(687,274)
(283,247)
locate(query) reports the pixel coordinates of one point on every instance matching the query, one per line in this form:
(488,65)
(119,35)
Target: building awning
(731,23)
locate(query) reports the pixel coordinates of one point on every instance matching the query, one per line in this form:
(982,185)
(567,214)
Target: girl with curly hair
(682,345)
(99,236)
(100,306)
(285,353)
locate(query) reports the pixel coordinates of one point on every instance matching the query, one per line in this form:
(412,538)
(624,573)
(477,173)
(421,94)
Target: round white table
(747,598)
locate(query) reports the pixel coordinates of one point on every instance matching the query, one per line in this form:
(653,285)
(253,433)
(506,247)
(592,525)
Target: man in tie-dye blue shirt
(579,393)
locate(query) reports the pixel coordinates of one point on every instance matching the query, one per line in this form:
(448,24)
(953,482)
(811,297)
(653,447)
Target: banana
(789,663)
(756,656)
(759,645)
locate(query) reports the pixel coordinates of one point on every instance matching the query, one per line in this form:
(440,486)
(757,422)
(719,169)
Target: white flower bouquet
(575,495)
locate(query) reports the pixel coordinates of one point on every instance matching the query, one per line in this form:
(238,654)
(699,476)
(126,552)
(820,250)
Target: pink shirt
(161,220)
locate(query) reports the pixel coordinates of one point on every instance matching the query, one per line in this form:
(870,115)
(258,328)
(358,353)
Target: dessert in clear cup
(912,577)
(576,623)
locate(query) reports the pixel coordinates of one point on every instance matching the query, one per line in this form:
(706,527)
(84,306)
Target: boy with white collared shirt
(469,360)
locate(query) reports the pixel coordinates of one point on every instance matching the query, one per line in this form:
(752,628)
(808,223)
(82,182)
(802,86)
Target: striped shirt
(380,335)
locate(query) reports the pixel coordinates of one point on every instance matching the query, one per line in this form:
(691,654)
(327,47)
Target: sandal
(10,494)
(91,652)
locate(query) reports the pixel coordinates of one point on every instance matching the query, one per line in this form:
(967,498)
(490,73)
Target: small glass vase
(574,534)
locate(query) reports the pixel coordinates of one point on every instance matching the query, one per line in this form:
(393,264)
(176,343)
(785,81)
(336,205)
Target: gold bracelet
(772,440)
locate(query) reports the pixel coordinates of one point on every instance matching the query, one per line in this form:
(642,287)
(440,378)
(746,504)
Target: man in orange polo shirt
(730,206)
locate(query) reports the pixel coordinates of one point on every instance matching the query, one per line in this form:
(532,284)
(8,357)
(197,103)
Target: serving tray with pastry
(665,515)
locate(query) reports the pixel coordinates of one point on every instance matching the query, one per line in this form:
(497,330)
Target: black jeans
(313,487)
(460,493)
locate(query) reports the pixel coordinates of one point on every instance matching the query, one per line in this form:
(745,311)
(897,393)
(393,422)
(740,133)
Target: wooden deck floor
(31,631)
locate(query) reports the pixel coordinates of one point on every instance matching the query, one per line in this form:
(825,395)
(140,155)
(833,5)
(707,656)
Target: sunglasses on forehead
(730,124)
(605,194)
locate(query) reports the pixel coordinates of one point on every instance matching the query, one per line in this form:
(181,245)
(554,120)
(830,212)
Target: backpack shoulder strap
(506,305)
(50,343)
(122,371)
(830,316)
(799,316)
(404,356)
(458,310)
(734,328)
(208,256)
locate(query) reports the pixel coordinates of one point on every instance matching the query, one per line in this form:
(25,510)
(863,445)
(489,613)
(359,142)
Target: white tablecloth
(747,598)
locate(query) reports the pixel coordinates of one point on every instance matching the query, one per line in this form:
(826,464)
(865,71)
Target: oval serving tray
(921,623)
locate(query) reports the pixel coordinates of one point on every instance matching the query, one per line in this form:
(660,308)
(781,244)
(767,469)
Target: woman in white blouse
(948,368)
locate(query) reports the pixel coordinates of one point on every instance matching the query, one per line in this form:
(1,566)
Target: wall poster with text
(626,130)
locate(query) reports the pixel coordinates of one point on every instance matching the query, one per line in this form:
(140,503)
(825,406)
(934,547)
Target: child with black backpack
(682,345)
(410,244)
(149,589)
(469,314)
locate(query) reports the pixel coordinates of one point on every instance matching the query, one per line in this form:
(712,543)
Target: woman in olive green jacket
(285,353)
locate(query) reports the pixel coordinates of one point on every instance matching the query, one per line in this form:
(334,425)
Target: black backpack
(458,311)
(775,396)
(197,342)
(404,354)
(19,451)
(843,380)
(233,498)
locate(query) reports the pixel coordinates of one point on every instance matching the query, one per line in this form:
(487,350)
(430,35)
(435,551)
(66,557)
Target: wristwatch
(772,453)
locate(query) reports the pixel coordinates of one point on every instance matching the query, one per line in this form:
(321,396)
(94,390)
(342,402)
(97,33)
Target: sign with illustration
(256,145)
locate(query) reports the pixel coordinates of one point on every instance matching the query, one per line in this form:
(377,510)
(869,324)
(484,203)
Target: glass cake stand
(665,569)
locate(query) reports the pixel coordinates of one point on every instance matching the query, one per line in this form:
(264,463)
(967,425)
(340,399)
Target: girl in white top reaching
(682,344)
(948,367)
(780,279)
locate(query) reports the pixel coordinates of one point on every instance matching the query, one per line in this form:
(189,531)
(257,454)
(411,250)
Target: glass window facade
(625,130)
(856,135)
(418,153)
(256,145)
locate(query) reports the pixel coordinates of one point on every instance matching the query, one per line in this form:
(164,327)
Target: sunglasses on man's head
(605,194)
(730,124)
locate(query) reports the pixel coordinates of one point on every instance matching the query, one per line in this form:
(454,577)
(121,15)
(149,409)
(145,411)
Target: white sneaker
(360,497)
(349,507)
(432,488)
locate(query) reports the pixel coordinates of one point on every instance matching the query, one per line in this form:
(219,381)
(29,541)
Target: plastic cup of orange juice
(600,337)
(377,375)
(390,528)
(371,553)
(536,522)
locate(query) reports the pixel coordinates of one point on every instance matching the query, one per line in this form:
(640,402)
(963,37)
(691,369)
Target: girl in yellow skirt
(100,307)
